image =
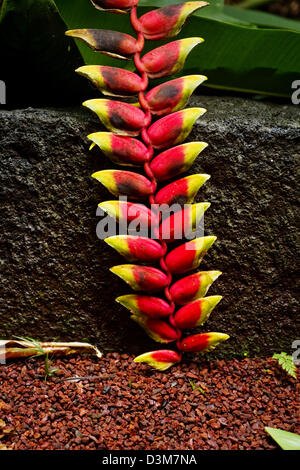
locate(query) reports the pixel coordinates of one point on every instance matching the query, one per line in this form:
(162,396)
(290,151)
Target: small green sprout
(193,385)
(49,371)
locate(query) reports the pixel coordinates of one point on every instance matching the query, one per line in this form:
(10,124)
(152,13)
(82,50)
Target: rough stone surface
(55,278)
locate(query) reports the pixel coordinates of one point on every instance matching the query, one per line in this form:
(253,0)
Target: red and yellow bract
(150,134)
(112,43)
(152,307)
(116,6)
(166,22)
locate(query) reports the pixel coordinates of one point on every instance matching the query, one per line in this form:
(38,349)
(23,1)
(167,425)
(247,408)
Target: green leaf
(237,54)
(286,440)
(260,18)
(287,363)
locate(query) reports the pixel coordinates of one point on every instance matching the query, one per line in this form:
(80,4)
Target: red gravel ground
(117,404)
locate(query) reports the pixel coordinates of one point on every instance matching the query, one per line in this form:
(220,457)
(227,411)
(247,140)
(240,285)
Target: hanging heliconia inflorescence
(162,154)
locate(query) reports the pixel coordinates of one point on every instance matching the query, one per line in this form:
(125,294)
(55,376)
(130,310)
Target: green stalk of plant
(49,371)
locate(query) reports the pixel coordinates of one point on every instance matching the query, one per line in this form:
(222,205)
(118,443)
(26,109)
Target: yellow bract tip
(214,274)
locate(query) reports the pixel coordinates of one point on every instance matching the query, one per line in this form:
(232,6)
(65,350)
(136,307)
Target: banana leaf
(261,19)
(237,54)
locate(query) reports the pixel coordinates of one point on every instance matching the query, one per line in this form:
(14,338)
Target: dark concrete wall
(55,278)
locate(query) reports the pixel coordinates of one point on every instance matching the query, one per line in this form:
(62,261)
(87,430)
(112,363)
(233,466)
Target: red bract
(112,80)
(171,216)
(188,256)
(144,278)
(174,129)
(170,58)
(182,223)
(124,183)
(128,212)
(173,95)
(193,287)
(121,118)
(152,307)
(116,6)
(202,342)
(160,360)
(160,331)
(112,43)
(182,191)
(196,313)
(167,22)
(176,160)
(120,149)
(135,248)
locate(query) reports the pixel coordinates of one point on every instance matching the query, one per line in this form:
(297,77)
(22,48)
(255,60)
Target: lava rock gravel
(115,404)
